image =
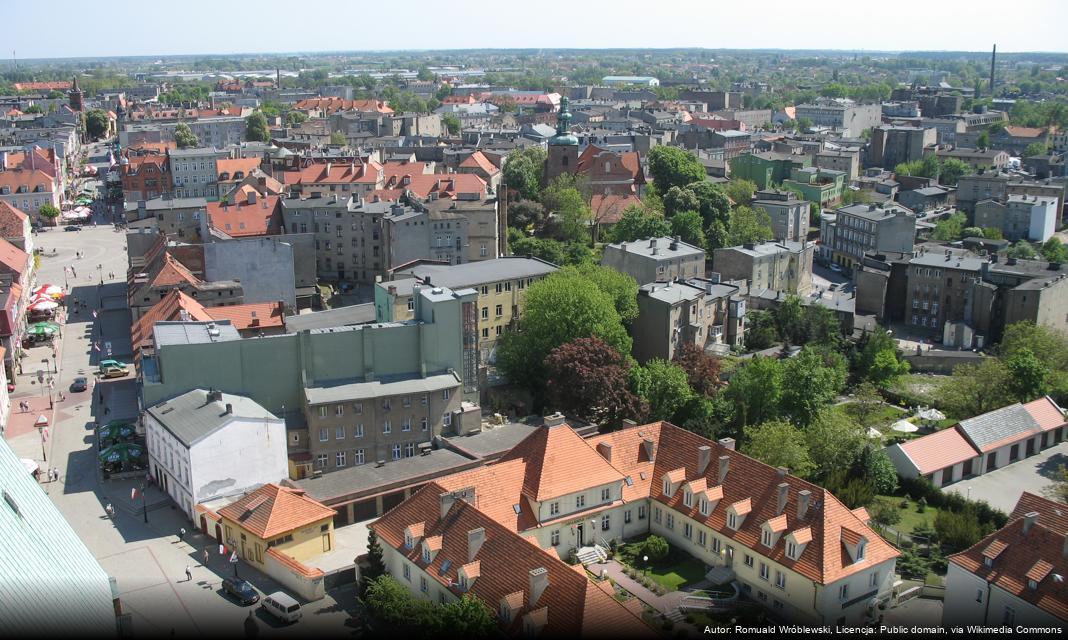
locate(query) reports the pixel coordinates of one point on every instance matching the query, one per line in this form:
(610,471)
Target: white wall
(906,468)
(1043,220)
(830,605)
(960,605)
(238,457)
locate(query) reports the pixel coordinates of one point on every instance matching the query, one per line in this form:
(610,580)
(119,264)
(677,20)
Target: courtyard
(1002,487)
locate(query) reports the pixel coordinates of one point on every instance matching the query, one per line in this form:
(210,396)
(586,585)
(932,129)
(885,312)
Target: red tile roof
(444,185)
(938,450)
(332,105)
(609,209)
(170,307)
(261,315)
(31,179)
(552,455)
(171,272)
(1046,413)
(242,218)
(273,510)
(231,166)
(56,85)
(1024,132)
(337,173)
(478,160)
(12,259)
(1018,557)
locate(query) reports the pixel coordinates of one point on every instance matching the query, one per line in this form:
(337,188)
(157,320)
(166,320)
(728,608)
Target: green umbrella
(48,326)
(41,331)
(123,451)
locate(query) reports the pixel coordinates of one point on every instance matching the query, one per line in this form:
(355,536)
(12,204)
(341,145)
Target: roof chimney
(727,443)
(554,419)
(605,449)
(803,498)
(724,467)
(704,456)
(229,409)
(475,538)
(649,447)
(448,498)
(783,497)
(539,580)
(1029,521)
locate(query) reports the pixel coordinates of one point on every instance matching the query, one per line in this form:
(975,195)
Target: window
(988,562)
(500,287)
(499,310)
(407,424)
(409,450)
(670,521)
(715,544)
(765,538)
(554,538)
(424,400)
(322,411)
(445,394)
(580,502)
(422,579)
(641,512)
(339,460)
(411,304)
(497,330)
(780,579)
(687,498)
(843,592)
(873,580)
(554,508)
(626,517)
(386,404)
(979,596)
(357,431)
(320,461)
(485,332)
(423,423)
(339,410)
(606,495)
(860,550)
(407,573)
(396,452)
(485,313)
(1010,616)
(749,561)
(732,520)
(406,401)
(446,419)
(764,571)
(357,407)
(791,550)
(656,514)
(358,458)
(324,434)
(386,427)
(606,522)
(667,487)
(687,530)
(339,432)
(702,538)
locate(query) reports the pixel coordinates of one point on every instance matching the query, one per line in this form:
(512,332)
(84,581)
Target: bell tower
(563,147)
(76,97)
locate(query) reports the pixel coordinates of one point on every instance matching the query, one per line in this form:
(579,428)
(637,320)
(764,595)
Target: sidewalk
(664,604)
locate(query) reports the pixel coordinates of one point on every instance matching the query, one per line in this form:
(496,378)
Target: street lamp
(144,503)
(645,569)
(100,270)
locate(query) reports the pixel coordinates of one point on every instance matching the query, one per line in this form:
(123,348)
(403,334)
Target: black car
(72,227)
(241,590)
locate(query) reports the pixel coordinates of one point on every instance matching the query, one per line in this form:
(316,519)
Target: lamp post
(645,569)
(144,502)
(100,271)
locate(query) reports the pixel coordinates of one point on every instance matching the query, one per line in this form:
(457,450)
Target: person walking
(181,534)
(207,556)
(188,574)
(110,510)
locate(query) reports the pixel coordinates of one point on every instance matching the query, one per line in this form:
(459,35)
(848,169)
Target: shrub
(656,548)
(884,513)
(921,505)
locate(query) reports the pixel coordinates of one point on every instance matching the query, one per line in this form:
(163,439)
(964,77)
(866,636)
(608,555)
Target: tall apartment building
(891,146)
(655,259)
(699,312)
(860,228)
(846,160)
(789,214)
(842,115)
(194,172)
(769,266)
(992,185)
(1023,217)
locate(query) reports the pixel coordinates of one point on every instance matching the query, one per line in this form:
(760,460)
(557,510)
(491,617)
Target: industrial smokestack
(993,59)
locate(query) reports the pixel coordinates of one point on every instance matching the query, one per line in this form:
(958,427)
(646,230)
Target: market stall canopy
(123,451)
(48,290)
(932,414)
(44,305)
(40,329)
(114,430)
(904,426)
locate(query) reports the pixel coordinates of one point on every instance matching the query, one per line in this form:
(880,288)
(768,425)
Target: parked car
(282,606)
(241,589)
(836,268)
(104,364)
(72,227)
(81,383)
(113,372)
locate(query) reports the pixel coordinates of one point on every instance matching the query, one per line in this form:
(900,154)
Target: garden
(667,569)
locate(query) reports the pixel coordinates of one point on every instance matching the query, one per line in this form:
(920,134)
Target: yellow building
(277,517)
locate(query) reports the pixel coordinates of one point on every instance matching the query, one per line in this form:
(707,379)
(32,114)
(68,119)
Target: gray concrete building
(891,146)
(846,160)
(842,115)
(174,217)
(789,214)
(776,266)
(1032,218)
(696,311)
(194,172)
(655,259)
(992,185)
(263,266)
(860,228)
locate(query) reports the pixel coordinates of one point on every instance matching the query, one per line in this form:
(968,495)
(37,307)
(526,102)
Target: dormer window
(667,487)
(426,554)
(766,538)
(988,562)
(408,540)
(704,507)
(732,521)
(791,551)
(861,546)
(687,498)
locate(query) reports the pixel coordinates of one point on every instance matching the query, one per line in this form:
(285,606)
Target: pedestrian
(207,556)
(107,410)
(188,574)
(181,534)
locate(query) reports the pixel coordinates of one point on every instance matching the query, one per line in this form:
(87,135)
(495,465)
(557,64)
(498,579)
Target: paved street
(146,559)
(1003,487)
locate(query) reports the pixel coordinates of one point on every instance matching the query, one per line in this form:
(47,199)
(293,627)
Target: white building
(209,444)
(626,81)
(1016,575)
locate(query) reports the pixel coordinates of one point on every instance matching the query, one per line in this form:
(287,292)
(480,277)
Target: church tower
(563,147)
(76,97)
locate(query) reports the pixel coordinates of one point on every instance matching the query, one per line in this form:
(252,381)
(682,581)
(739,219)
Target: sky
(75,28)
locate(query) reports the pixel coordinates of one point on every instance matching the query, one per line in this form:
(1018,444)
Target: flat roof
(379,388)
(368,479)
(645,247)
(340,317)
(470,274)
(769,248)
(491,442)
(178,332)
(672,293)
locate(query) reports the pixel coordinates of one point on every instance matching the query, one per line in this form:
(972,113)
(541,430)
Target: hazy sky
(71,28)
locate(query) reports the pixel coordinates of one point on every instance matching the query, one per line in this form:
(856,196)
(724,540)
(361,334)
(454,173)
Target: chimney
(650,448)
(627,422)
(229,409)
(539,580)
(704,456)
(783,497)
(449,498)
(475,538)
(554,419)
(652,242)
(1029,521)
(727,443)
(724,467)
(803,498)
(605,450)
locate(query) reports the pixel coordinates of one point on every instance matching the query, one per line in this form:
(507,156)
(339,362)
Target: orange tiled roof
(13,259)
(273,510)
(56,85)
(1054,515)
(337,173)
(631,161)
(230,166)
(260,315)
(478,160)
(609,209)
(170,307)
(242,218)
(938,450)
(172,272)
(333,105)
(1024,132)
(295,565)
(31,179)
(1046,413)
(552,454)
(444,185)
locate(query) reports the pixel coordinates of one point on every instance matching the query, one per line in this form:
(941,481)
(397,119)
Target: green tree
(674,167)
(424,74)
(874,464)
(958,530)
(779,444)
(545,249)
(467,617)
(755,391)
(1058,489)
(557,310)
(833,441)
(749,226)
(256,128)
(663,386)
(1027,375)
(687,227)
(1049,345)
(976,388)
(527,215)
(523,170)
(1022,250)
(637,223)
(702,370)
(761,330)
(929,167)
(789,318)
(563,199)
(338,139)
(1054,250)
(741,191)
(295,118)
(950,228)
(49,210)
(622,287)
(655,547)
(375,565)
(451,123)
(952,170)
(815,380)
(388,600)
(680,199)
(878,360)
(712,202)
(184,137)
(992,233)
(97,123)
(1035,149)
(983,142)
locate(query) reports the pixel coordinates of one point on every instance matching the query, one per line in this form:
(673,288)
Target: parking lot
(1003,487)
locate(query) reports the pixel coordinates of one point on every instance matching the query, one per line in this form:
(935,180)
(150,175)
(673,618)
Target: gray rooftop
(369,479)
(874,212)
(768,248)
(1000,424)
(956,261)
(340,317)
(645,247)
(166,333)
(492,442)
(156,204)
(671,293)
(380,388)
(471,274)
(191,416)
(188,153)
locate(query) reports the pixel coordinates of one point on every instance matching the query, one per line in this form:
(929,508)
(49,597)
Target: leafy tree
(33,108)
(294,118)
(543,248)
(958,530)
(451,123)
(822,326)
(789,320)
(779,444)
(467,617)
(885,512)
(952,170)
(702,370)
(184,137)
(523,171)
(578,253)
(637,223)
(337,138)
(804,124)
(1049,345)
(680,199)
(886,367)
(1027,375)
(49,210)
(687,227)
(557,310)
(741,191)
(256,128)
(867,401)
(992,233)
(976,388)
(855,491)
(712,202)
(815,379)
(701,416)
(749,225)
(1054,250)
(663,386)
(588,379)
(1022,250)
(950,228)
(96,123)
(983,142)
(1035,149)
(929,167)
(972,232)
(761,330)
(388,600)
(622,287)
(376,566)
(424,73)
(833,441)
(755,391)
(527,215)
(572,211)
(674,167)
(655,547)
(874,464)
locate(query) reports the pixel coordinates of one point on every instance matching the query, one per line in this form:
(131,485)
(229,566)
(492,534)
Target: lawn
(910,517)
(676,570)
(881,418)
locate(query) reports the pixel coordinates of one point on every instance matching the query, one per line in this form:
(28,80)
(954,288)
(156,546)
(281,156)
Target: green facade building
(766,169)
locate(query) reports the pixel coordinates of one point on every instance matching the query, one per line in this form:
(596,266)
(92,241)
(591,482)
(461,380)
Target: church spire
(563,125)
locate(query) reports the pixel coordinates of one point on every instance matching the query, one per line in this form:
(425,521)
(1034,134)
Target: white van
(282,607)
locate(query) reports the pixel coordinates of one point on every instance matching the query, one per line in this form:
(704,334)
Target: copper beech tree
(588,379)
